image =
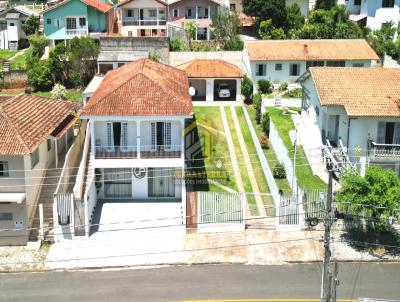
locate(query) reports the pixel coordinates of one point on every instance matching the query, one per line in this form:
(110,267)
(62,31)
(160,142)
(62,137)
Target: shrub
(235,45)
(39,76)
(264,141)
(257,107)
(154,57)
(59,92)
(283,86)
(247,88)
(265,123)
(177,44)
(279,171)
(264,86)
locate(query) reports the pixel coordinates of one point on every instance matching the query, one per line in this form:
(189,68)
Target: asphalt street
(201,282)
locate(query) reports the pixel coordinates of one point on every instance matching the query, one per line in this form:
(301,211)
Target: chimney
(28,90)
(305,49)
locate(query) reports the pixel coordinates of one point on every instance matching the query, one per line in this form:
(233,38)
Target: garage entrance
(231,86)
(200,87)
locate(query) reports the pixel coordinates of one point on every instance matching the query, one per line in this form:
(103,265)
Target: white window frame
(5,172)
(291,74)
(124,136)
(110,137)
(175,12)
(264,69)
(152,13)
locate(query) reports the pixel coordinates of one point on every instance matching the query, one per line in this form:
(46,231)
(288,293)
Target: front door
(117,134)
(389,133)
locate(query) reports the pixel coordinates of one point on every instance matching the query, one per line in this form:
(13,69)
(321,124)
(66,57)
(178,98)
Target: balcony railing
(132,152)
(144,22)
(384,150)
(76,32)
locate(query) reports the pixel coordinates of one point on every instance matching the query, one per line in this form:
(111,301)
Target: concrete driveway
(128,233)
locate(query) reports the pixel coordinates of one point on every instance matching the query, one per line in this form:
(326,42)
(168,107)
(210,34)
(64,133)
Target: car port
(232,89)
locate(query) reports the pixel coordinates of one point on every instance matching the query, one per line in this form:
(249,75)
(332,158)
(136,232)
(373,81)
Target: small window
(278,66)
(294,70)
(387,3)
(82,22)
(175,12)
(35,158)
(358,64)
(232,7)
(11,23)
(152,13)
(357,2)
(4,169)
(48,21)
(6,216)
(189,12)
(260,69)
(129,13)
(48,144)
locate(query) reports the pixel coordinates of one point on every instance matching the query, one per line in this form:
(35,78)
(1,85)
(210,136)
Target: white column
(138,139)
(238,90)
(92,139)
(208,33)
(209,12)
(209,90)
(197,15)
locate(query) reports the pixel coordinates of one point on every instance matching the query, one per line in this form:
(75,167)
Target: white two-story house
(357,106)
(373,13)
(137,119)
(280,61)
(34,133)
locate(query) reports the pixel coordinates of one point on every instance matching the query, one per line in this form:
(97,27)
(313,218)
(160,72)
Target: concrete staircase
(46,198)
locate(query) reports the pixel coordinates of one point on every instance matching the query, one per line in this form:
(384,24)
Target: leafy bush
(234,45)
(247,88)
(283,86)
(59,92)
(264,86)
(265,123)
(203,46)
(39,75)
(31,25)
(279,171)
(295,93)
(177,44)
(257,107)
(154,57)
(264,141)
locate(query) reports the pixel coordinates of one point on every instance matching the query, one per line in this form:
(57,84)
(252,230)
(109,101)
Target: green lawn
(19,62)
(258,171)
(218,165)
(74,95)
(6,54)
(270,155)
(305,177)
(242,166)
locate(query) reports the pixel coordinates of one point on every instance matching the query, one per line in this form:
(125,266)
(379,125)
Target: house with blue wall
(74,18)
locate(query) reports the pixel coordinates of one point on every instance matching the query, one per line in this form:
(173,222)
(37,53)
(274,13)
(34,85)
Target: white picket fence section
(220,211)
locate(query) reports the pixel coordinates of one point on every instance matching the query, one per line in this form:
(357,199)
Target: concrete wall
(376,14)
(157,45)
(19,219)
(14,79)
(233,57)
(351,7)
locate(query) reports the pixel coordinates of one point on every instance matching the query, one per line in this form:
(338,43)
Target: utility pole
(326,276)
(335,281)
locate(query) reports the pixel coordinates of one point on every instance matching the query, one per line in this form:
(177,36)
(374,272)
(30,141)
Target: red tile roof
(203,68)
(304,50)
(26,121)
(141,88)
(361,91)
(103,7)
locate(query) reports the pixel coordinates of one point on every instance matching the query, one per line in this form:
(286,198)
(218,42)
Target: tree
(36,49)
(190,29)
(83,54)
(247,88)
(31,25)
(376,195)
(265,123)
(257,100)
(39,75)
(267,31)
(264,86)
(295,19)
(225,27)
(325,4)
(59,92)
(265,10)
(60,67)
(177,44)
(381,40)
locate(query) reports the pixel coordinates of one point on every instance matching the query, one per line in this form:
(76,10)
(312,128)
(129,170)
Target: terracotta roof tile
(27,120)
(211,69)
(304,50)
(103,7)
(362,91)
(143,87)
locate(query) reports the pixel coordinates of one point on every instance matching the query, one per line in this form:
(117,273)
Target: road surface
(201,282)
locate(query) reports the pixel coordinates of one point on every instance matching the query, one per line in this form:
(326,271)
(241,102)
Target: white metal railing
(157,22)
(384,150)
(144,151)
(79,183)
(76,32)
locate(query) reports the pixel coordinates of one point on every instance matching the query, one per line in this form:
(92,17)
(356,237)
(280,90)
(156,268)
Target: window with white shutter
(124,137)
(153,136)
(167,136)
(110,139)
(381,133)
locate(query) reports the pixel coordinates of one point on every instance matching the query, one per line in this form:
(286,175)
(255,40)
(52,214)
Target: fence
(14,79)
(220,209)
(63,216)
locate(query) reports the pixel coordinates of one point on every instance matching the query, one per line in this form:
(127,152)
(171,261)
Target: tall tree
(325,4)
(265,10)
(225,27)
(31,25)
(295,19)
(381,40)
(190,29)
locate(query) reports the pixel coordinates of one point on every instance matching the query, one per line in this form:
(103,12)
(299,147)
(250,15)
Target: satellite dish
(192,91)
